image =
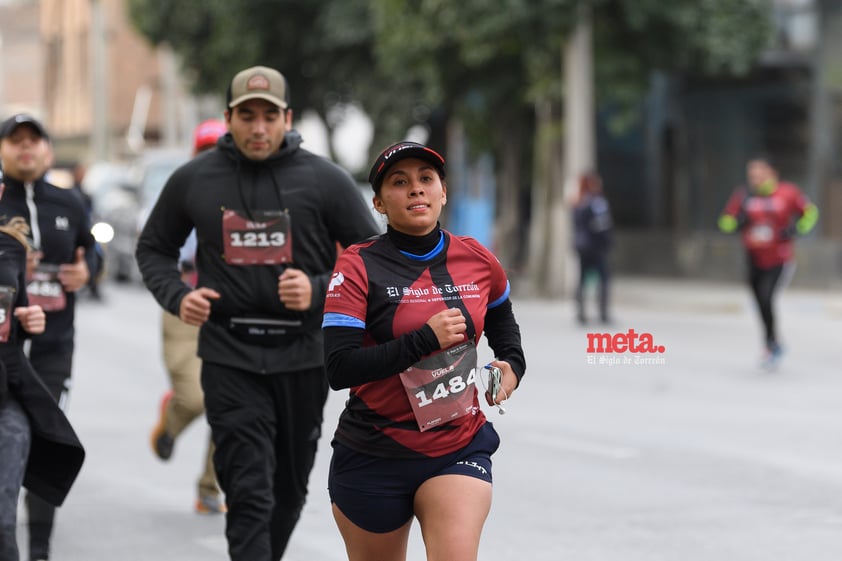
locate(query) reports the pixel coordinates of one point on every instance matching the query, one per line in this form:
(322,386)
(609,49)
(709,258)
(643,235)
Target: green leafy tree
(492,66)
(492,63)
(701,38)
(324,48)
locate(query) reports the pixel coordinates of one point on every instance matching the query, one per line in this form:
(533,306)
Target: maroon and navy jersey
(767,218)
(386,292)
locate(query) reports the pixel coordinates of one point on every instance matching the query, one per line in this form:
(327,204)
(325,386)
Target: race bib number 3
(441,387)
(7,299)
(264,239)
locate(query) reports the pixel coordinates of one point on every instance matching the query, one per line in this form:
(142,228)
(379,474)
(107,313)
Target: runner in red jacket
(769,213)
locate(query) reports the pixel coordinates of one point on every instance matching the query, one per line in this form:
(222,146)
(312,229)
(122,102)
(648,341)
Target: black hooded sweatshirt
(62,226)
(324,206)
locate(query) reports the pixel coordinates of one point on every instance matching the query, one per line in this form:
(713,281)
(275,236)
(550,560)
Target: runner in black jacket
(268,215)
(61,234)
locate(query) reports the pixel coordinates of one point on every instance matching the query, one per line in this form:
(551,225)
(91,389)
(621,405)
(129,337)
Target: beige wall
(65,39)
(21,82)
(46,67)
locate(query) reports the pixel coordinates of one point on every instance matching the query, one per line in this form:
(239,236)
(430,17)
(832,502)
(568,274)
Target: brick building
(100,88)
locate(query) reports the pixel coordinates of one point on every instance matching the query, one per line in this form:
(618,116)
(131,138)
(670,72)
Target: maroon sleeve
(735,203)
(798,200)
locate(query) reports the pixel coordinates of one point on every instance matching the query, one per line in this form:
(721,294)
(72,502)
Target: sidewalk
(677,295)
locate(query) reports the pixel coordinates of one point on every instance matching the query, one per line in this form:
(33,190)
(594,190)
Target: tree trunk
(509,223)
(547,191)
(555,176)
(827,85)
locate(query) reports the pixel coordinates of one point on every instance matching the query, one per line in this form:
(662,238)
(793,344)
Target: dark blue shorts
(377,493)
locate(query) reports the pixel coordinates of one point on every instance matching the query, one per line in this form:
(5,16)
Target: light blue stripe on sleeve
(502,298)
(332,319)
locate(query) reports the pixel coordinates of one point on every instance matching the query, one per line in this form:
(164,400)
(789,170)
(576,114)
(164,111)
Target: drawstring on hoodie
(242,194)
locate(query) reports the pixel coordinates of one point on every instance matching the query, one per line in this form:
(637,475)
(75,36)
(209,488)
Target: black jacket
(55,455)
(324,207)
(592,225)
(62,226)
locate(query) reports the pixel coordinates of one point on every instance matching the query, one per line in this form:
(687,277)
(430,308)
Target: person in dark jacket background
(39,448)
(268,216)
(61,235)
(593,228)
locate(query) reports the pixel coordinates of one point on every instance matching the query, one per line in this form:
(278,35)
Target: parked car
(102,180)
(125,206)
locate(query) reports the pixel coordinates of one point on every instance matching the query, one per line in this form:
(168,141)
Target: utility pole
(169,95)
(99,84)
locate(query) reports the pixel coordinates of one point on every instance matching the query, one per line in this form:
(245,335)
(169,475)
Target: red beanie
(206,133)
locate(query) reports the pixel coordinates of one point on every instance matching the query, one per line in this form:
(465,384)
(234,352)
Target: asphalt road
(698,456)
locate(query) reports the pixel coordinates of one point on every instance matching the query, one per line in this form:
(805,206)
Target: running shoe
(772,356)
(210,504)
(162,442)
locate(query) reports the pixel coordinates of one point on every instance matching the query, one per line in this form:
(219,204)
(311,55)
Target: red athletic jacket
(766,222)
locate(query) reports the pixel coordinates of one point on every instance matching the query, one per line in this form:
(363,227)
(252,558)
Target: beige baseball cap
(259,82)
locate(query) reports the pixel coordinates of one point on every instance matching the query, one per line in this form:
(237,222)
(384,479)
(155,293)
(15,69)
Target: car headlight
(102,232)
